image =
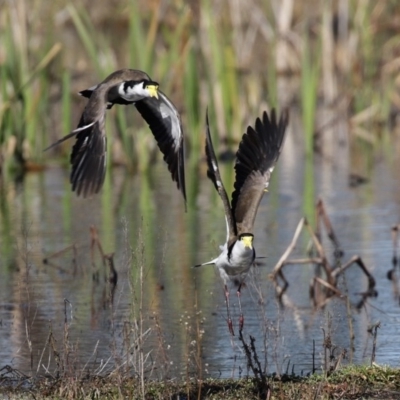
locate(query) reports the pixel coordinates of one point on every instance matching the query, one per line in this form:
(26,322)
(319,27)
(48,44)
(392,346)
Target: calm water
(142,221)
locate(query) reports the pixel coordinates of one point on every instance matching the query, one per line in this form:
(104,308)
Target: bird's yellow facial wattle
(247,241)
(153,90)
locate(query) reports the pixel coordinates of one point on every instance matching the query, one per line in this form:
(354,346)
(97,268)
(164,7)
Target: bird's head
(151,88)
(247,239)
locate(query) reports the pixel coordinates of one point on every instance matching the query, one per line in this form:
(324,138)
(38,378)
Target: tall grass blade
(310,73)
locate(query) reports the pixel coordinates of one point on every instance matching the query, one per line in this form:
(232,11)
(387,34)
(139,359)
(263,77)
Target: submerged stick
(59,253)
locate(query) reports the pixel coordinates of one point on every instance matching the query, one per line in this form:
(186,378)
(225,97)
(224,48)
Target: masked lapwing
(126,86)
(256,157)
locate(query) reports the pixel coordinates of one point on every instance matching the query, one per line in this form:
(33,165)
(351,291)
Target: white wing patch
(167,110)
(164,110)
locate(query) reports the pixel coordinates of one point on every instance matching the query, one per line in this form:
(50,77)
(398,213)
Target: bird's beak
(152,90)
(248,241)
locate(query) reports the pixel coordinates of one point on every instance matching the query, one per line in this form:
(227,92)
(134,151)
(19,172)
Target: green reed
(140,52)
(66,103)
(195,57)
(95,43)
(194,114)
(310,72)
(23,91)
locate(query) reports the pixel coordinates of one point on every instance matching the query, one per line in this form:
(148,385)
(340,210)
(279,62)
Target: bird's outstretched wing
(88,157)
(165,123)
(215,177)
(256,157)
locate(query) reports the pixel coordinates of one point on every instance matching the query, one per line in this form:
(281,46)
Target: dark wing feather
(258,152)
(215,177)
(88,158)
(165,123)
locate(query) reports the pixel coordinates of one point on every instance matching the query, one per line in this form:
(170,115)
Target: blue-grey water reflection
(141,219)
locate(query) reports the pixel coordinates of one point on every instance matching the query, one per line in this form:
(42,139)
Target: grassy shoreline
(352,382)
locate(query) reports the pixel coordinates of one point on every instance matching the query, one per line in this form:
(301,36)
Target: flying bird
(125,86)
(256,157)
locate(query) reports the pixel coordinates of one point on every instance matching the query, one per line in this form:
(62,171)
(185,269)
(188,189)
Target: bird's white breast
(240,261)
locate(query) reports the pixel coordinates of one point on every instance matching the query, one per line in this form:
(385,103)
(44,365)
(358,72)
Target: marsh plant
(224,55)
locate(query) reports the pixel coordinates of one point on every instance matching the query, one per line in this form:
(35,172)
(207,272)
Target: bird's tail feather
(206,263)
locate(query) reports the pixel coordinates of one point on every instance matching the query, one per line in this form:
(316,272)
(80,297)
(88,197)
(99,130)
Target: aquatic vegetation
(224,56)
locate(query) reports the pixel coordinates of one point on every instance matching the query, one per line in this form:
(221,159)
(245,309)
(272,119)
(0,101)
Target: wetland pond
(169,318)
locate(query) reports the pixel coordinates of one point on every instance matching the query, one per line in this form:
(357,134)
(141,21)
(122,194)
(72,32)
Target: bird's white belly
(237,265)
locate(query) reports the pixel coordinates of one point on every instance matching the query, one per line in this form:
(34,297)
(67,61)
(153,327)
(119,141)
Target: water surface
(141,219)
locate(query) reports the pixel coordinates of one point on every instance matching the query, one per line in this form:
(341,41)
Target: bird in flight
(125,86)
(256,157)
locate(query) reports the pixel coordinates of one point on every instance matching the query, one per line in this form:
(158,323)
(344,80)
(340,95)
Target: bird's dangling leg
(230,325)
(241,317)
